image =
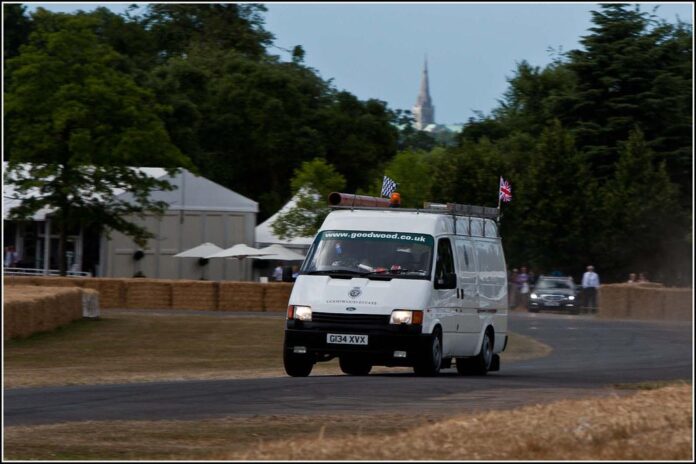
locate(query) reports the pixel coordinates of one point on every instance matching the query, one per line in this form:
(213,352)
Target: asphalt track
(589,356)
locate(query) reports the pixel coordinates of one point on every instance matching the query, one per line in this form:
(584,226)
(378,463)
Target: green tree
(75,124)
(547,224)
(638,217)
(16,29)
(634,71)
(312,184)
(412,170)
(175,27)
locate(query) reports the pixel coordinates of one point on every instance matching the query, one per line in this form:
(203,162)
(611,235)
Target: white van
(398,287)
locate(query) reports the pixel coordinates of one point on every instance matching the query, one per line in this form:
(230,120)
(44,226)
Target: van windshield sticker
(364,235)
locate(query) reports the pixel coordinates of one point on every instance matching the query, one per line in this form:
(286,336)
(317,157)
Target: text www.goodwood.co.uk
(382,235)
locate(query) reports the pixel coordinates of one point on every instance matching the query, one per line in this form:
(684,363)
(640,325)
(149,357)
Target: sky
(377,50)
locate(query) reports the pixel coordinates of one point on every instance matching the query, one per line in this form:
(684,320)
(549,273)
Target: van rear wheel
(482,362)
(297,365)
(354,366)
(430,360)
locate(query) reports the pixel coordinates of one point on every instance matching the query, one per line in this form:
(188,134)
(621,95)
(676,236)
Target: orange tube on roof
(348,199)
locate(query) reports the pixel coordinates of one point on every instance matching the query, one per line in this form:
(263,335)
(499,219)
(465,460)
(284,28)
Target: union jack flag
(505,190)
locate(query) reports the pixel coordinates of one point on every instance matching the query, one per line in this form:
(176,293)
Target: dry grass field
(648,425)
(654,421)
(128,346)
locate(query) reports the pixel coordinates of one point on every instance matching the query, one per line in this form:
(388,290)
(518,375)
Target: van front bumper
(383,342)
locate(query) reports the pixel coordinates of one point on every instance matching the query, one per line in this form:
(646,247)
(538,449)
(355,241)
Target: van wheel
(431,359)
(481,363)
(354,366)
(297,365)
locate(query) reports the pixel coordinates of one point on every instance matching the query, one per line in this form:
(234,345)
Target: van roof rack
(454,209)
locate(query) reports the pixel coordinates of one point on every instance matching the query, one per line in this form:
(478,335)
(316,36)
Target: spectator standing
(11,256)
(632,278)
(513,289)
(590,284)
(642,278)
(523,284)
(278,273)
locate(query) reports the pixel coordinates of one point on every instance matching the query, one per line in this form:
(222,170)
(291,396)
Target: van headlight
(406,316)
(301,313)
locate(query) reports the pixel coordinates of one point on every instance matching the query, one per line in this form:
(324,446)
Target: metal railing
(41,272)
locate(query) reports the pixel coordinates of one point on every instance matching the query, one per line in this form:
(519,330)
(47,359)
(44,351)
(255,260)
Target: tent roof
(265,235)
(192,193)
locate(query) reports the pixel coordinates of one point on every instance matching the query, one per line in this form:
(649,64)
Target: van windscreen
(370,253)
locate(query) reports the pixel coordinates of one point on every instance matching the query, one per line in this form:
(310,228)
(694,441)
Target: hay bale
(678,303)
(18,280)
(650,284)
(148,293)
(90,303)
(276,296)
(112,292)
(194,294)
(647,303)
(613,301)
(240,296)
(19,317)
(50,281)
(32,309)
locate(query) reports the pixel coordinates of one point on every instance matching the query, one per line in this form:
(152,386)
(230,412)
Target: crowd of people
(522,281)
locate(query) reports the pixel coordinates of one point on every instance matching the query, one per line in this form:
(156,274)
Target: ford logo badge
(355,292)
(350,309)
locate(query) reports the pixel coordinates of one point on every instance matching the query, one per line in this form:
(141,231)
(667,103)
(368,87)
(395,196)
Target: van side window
(445,259)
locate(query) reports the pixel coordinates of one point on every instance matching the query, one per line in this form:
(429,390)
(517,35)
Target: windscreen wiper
(337,272)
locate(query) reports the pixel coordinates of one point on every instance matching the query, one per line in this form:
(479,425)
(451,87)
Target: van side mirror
(446,282)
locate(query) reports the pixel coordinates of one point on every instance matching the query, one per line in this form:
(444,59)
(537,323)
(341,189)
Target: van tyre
(297,365)
(482,362)
(354,366)
(430,360)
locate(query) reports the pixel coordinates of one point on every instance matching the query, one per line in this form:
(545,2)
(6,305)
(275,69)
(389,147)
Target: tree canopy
(597,145)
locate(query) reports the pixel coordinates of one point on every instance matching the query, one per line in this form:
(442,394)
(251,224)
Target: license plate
(552,303)
(346,339)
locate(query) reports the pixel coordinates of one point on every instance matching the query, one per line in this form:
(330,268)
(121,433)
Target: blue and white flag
(388,186)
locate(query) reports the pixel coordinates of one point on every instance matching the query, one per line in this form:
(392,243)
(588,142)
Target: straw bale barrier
(614,301)
(33,309)
(194,294)
(678,303)
(277,296)
(171,294)
(148,293)
(241,296)
(649,301)
(112,292)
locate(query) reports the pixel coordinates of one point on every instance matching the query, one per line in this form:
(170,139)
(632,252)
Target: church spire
(424,111)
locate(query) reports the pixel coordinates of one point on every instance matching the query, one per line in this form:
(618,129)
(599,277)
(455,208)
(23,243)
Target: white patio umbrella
(201,251)
(239,251)
(280,253)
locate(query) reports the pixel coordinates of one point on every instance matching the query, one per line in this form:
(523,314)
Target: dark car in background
(557,293)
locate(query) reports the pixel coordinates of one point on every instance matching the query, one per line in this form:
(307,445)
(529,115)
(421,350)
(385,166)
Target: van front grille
(354,319)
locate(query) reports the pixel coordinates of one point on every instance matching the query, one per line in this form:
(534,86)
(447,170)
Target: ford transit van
(400,287)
